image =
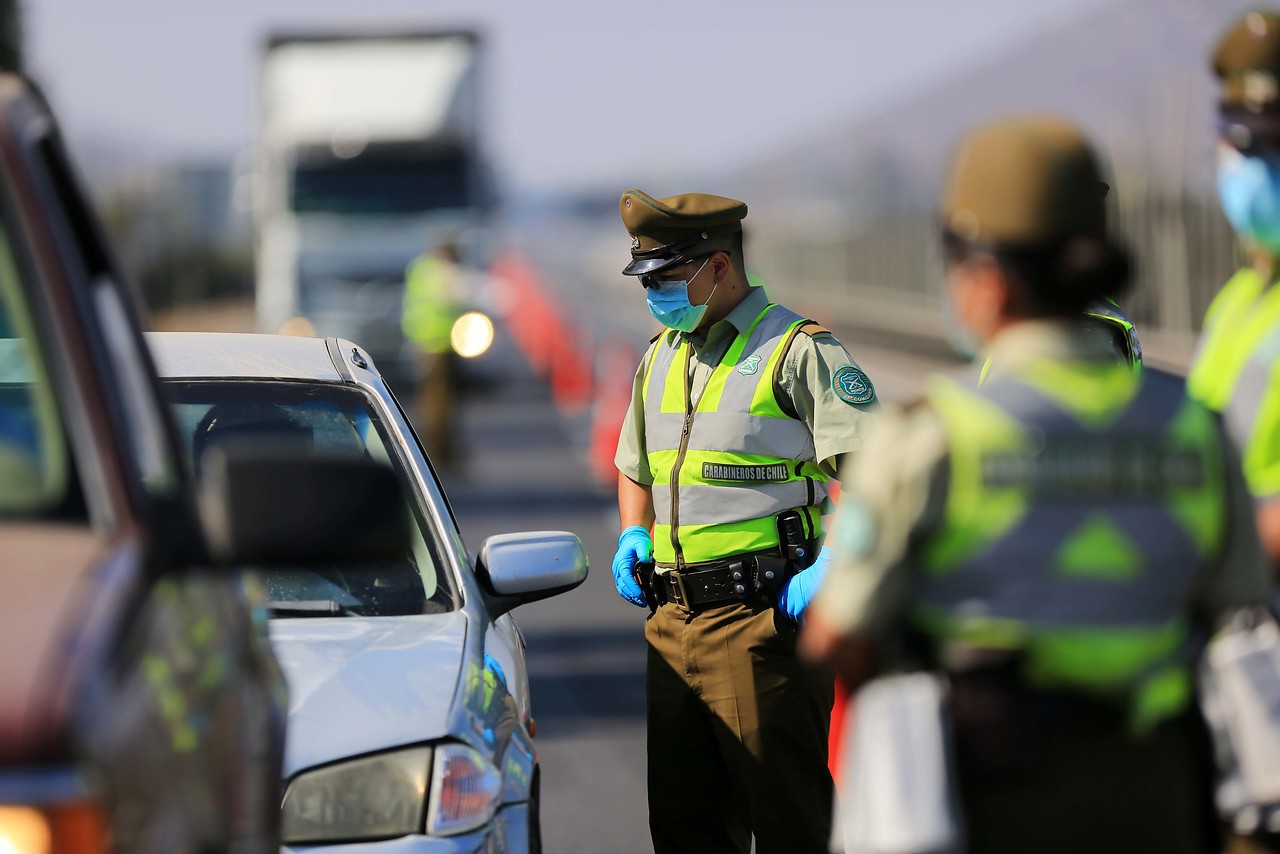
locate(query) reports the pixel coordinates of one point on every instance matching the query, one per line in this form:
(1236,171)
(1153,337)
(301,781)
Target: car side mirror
(519,568)
(263,505)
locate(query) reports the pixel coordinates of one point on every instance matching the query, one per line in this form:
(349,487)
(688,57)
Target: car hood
(362,684)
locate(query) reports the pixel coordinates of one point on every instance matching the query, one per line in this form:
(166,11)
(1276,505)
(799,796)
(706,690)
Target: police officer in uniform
(740,413)
(433,295)
(1050,539)
(1237,368)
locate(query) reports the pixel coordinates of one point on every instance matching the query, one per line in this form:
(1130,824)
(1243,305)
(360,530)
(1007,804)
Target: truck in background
(368,152)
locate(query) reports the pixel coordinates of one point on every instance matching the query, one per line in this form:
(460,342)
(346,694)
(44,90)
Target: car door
(161,707)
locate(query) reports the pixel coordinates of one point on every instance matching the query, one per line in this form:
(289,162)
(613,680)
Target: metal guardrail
(888,274)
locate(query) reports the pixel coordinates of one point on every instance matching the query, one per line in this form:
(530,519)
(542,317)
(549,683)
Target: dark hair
(732,244)
(1058,279)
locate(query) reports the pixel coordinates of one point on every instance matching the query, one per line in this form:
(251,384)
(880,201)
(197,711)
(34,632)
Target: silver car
(409,722)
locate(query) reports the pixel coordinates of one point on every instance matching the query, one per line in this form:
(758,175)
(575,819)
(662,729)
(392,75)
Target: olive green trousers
(737,734)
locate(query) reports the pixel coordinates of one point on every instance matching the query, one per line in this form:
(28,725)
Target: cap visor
(640,266)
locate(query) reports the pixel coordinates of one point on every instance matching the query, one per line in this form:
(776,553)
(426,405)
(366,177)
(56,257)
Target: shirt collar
(736,321)
(1057,339)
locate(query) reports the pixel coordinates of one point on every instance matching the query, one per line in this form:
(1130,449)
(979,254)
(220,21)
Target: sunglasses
(650,282)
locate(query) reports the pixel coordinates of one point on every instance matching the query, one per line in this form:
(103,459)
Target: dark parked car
(141,708)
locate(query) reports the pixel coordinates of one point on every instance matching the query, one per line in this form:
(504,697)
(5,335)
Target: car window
(323,419)
(36,479)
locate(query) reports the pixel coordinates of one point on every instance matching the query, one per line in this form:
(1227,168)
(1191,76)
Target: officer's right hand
(634,546)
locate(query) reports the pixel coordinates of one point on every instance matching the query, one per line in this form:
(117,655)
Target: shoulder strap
(808,327)
(812,328)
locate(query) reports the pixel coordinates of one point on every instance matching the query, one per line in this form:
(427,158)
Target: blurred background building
(833,122)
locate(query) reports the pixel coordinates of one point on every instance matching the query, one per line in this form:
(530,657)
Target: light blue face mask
(1249,188)
(670,305)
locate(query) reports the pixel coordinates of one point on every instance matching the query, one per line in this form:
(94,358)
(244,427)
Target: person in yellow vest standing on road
(740,413)
(433,294)
(1047,542)
(1237,368)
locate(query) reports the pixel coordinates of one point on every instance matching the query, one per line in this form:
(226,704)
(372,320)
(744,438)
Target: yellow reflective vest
(1235,373)
(1082,503)
(429,310)
(727,459)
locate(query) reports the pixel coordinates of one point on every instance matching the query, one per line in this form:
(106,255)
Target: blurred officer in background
(1046,540)
(433,295)
(1237,368)
(740,412)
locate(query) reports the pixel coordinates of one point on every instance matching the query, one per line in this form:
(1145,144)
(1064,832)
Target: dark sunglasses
(650,282)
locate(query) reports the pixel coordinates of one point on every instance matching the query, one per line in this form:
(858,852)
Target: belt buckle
(682,593)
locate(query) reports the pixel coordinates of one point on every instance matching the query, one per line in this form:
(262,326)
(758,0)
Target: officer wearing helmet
(1045,540)
(1235,369)
(740,413)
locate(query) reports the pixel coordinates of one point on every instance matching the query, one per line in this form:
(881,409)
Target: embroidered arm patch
(853,386)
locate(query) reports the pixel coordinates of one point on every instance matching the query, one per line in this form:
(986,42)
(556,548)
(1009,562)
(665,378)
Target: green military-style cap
(1025,183)
(667,232)
(1246,62)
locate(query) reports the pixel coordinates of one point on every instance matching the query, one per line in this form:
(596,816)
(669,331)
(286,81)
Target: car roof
(191,355)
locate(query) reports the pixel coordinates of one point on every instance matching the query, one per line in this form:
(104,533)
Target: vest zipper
(679,463)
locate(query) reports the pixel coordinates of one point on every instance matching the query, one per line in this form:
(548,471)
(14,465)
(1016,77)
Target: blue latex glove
(798,592)
(634,546)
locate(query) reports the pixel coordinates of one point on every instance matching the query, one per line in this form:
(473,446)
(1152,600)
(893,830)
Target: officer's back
(1050,538)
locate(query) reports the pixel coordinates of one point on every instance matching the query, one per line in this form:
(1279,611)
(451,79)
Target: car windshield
(328,419)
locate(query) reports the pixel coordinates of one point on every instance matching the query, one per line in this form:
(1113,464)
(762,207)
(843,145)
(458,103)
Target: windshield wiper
(309,608)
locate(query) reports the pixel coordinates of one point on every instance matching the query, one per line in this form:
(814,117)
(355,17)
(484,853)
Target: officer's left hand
(799,591)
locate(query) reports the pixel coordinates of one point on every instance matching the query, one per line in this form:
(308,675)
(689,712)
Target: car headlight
(384,796)
(465,788)
(472,334)
(377,797)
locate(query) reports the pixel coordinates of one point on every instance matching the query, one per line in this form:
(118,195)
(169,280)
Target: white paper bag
(896,790)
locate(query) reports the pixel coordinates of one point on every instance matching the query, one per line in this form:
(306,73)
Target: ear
(720,267)
(994,290)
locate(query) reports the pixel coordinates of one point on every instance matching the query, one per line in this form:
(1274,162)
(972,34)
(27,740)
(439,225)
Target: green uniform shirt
(806,380)
(892,495)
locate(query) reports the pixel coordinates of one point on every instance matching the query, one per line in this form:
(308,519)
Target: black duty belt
(742,577)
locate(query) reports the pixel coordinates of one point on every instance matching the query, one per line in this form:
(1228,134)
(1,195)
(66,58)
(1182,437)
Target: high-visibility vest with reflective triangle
(1082,502)
(1237,372)
(726,459)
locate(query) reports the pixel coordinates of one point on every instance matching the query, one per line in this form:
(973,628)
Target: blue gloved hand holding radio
(634,546)
(799,591)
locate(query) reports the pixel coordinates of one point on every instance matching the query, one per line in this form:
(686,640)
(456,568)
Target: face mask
(670,305)
(1249,188)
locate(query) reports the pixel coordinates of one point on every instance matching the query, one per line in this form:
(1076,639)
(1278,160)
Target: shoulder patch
(853,386)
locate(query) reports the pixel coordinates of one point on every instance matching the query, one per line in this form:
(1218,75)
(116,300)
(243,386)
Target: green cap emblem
(749,365)
(853,386)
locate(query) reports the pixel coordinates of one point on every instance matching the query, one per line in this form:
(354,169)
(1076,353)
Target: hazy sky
(580,91)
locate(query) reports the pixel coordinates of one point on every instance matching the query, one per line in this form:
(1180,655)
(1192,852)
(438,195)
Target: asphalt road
(525,467)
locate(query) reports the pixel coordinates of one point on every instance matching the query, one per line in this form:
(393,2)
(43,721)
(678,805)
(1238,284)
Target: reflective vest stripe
(767,436)
(1252,418)
(717,541)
